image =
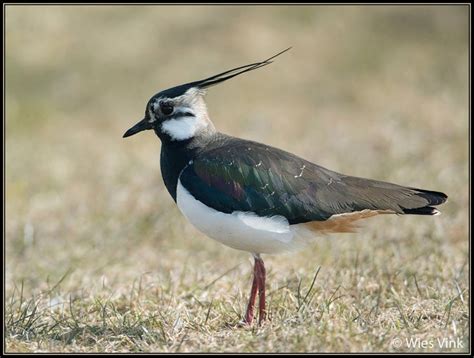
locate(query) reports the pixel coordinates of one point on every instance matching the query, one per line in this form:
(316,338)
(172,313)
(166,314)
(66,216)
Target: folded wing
(247,176)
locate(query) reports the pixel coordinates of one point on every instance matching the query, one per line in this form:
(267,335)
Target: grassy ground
(98,258)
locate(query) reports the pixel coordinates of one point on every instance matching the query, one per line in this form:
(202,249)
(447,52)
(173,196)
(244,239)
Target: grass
(98,258)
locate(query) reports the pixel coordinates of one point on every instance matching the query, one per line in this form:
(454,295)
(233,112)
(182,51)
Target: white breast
(239,230)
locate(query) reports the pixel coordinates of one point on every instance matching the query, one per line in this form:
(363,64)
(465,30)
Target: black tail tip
(427,210)
(433,198)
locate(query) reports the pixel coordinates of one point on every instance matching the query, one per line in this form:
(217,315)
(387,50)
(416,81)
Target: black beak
(140,126)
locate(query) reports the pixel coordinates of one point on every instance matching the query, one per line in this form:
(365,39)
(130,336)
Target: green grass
(99,259)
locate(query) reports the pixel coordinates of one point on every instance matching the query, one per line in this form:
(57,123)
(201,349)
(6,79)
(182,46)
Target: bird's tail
(433,197)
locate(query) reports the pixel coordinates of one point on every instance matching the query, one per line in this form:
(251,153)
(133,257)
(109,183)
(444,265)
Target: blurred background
(379,92)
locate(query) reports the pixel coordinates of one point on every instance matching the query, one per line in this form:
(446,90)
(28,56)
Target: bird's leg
(260,273)
(253,294)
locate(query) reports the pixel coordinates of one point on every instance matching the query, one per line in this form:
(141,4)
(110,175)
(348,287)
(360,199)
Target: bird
(254,197)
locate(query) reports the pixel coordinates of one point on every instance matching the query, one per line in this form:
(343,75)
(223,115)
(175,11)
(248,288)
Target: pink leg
(253,293)
(260,273)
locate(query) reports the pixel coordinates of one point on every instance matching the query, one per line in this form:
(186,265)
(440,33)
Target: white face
(186,118)
(183,128)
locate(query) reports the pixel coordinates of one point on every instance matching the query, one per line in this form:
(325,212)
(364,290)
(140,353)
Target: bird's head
(179,113)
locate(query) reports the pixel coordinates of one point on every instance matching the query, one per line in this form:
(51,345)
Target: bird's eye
(166,108)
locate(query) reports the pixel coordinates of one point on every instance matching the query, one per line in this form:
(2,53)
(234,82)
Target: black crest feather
(224,76)
(216,79)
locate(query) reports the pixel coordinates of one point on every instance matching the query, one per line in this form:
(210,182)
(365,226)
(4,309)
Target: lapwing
(255,197)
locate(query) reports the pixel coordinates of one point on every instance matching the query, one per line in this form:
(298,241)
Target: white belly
(239,230)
